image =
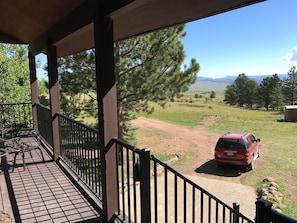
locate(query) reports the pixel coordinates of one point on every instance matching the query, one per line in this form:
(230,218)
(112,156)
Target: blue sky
(259,39)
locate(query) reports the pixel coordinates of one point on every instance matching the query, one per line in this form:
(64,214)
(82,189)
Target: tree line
(272,93)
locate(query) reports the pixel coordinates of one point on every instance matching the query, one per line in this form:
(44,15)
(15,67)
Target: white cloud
(291,56)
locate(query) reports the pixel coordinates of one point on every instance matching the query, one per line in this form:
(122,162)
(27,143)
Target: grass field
(204,87)
(280,159)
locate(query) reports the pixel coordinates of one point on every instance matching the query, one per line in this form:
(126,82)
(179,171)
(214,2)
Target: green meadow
(279,158)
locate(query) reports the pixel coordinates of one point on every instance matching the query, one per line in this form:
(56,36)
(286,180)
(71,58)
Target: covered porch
(63,28)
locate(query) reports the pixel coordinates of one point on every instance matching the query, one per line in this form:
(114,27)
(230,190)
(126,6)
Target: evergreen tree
(270,92)
(14,74)
(250,93)
(212,94)
(290,86)
(242,92)
(231,95)
(277,98)
(148,68)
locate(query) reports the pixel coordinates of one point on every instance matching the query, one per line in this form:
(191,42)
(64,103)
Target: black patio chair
(5,150)
(5,129)
(16,146)
(3,154)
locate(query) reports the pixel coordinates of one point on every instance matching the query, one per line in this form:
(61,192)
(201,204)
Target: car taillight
(247,155)
(218,154)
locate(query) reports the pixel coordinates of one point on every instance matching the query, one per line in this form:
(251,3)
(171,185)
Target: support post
(145,187)
(34,88)
(263,207)
(236,214)
(54,97)
(107,111)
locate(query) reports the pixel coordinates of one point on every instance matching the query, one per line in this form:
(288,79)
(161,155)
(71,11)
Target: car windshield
(230,143)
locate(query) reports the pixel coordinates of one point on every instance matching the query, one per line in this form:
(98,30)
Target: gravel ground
(5,218)
(162,137)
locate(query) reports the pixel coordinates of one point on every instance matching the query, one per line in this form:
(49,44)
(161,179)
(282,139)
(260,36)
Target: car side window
(253,139)
(247,143)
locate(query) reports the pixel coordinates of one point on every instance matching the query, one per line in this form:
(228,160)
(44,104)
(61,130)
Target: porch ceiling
(68,23)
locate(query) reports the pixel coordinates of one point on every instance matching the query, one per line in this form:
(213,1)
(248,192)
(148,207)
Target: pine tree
(149,68)
(290,86)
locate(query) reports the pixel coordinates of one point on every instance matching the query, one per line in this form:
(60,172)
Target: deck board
(41,192)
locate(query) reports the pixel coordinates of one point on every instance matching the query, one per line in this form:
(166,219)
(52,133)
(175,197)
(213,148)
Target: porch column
(54,97)
(34,89)
(107,111)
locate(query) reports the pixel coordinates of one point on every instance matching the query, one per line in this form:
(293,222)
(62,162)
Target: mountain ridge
(231,79)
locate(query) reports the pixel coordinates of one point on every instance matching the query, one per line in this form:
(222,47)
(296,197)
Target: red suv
(237,148)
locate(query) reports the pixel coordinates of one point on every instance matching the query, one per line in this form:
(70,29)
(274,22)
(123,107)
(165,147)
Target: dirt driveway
(225,183)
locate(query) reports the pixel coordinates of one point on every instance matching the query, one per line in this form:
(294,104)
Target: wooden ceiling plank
(78,18)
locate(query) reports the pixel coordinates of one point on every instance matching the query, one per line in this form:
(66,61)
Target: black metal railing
(133,183)
(266,214)
(16,114)
(80,151)
(148,190)
(151,191)
(44,123)
(178,199)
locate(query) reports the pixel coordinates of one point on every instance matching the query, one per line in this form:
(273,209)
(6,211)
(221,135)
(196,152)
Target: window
(252,139)
(231,143)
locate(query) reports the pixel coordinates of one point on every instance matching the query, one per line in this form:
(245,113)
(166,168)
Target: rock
(281,206)
(272,199)
(276,194)
(272,188)
(268,179)
(269,191)
(264,191)
(6,218)
(273,184)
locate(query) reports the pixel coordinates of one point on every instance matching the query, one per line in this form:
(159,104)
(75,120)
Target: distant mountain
(231,79)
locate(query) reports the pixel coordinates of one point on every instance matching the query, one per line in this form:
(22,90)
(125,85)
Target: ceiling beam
(114,5)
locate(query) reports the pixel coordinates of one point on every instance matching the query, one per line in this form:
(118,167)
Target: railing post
(235,215)
(145,186)
(263,207)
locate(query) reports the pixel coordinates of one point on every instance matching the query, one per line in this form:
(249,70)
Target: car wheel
(252,164)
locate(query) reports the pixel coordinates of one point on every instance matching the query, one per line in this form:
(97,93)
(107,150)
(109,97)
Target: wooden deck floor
(42,192)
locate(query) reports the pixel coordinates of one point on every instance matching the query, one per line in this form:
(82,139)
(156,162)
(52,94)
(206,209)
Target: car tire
(252,164)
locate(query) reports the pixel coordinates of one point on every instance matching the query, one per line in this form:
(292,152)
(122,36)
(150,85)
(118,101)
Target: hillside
(230,79)
(204,85)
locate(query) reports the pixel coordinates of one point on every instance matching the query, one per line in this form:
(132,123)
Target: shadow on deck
(42,191)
